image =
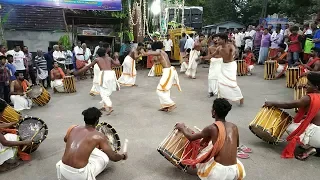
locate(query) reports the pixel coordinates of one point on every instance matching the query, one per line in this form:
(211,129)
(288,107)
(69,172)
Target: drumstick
(198,129)
(125,147)
(35,134)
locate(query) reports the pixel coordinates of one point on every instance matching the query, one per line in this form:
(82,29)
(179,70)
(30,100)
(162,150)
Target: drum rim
(43,91)
(43,123)
(114,133)
(177,164)
(269,142)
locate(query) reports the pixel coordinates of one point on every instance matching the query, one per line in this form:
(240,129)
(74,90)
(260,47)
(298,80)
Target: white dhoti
(151,72)
(108,84)
(21,102)
(250,68)
(193,64)
(184,67)
(282,68)
(7,153)
(98,161)
(216,171)
(310,136)
(95,83)
(42,74)
(169,78)
(129,72)
(228,87)
(214,73)
(58,85)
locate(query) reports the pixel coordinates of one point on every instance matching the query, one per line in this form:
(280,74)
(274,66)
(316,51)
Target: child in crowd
(249,57)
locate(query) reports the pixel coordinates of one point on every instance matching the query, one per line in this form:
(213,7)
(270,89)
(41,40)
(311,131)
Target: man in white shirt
(87,57)
(189,43)
(238,39)
(19,60)
(167,43)
(96,48)
(249,35)
(59,57)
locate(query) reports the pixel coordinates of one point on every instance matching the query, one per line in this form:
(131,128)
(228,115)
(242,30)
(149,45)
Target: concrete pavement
(136,118)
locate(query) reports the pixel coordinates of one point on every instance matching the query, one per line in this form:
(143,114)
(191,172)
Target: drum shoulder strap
(70,129)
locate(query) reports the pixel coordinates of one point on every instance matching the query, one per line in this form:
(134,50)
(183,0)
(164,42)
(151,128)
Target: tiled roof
(33,18)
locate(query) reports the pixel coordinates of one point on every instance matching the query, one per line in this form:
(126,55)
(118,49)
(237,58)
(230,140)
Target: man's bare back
(161,56)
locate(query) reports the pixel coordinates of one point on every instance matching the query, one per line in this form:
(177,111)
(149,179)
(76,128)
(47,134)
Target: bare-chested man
(217,159)
(129,72)
(87,150)
(108,78)
(169,77)
(57,76)
(313,63)
(306,126)
(215,67)
(18,89)
(227,82)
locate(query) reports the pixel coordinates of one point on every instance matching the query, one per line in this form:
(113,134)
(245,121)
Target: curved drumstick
(198,129)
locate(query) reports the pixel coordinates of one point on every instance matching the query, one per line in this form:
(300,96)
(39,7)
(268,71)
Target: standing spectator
(78,51)
(3,50)
(19,60)
(49,58)
(41,65)
(270,27)
(316,38)
(167,43)
(248,37)
(189,43)
(264,49)
(257,42)
(4,79)
(30,68)
(294,49)
(68,55)
(308,45)
(287,32)
(11,67)
(238,39)
(276,40)
(182,43)
(87,57)
(96,49)
(59,57)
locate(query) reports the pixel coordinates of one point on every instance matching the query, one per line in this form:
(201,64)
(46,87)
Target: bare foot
(193,77)
(103,109)
(241,102)
(163,109)
(109,112)
(135,85)
(91,94)
(170,109)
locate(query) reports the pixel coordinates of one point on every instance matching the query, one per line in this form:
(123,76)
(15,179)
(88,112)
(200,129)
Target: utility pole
(264,8)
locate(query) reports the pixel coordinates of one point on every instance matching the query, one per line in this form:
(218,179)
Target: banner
(106,5)
(274,22)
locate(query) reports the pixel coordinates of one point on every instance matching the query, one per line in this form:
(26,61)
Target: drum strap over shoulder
(70,129)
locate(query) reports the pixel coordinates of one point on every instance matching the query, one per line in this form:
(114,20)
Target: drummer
(306,126)
(18,89)
(218,160)
(9,144)
(281,58)
(313,63)
(57,76)
(81,159)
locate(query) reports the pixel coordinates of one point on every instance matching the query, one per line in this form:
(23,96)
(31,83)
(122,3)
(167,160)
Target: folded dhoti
(151,72)
(95,84)
(310,136)
(7,153)
(184,67)
(21,102)
(214,73)
(281,69)
(228,87)
(250,67)
(216,171)
(169,78)
(108,84)
(193,64)
(58,85)
(98,161)
(42,74)
(129,72)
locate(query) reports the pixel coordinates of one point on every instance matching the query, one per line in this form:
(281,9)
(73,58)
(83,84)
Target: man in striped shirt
(41,65)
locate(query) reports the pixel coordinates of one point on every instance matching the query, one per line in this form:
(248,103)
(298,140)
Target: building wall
(35,40)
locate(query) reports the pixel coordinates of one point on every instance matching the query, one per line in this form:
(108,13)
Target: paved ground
(136,118)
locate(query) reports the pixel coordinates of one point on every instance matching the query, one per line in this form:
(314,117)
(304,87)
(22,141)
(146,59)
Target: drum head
(111,133)
(36,91)
(28,127)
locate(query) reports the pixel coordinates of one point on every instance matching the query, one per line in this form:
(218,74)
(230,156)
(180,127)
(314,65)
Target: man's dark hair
(140,44)
(294,28)
(91,115)
(9,56)
(221,107)
(3,105)
(2,57)
(284,46)
(17,73)
(183,34)
(101,52)
(188,50)
(191,35)
(223,36)
(17,45)
(156,45)
(106,45)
